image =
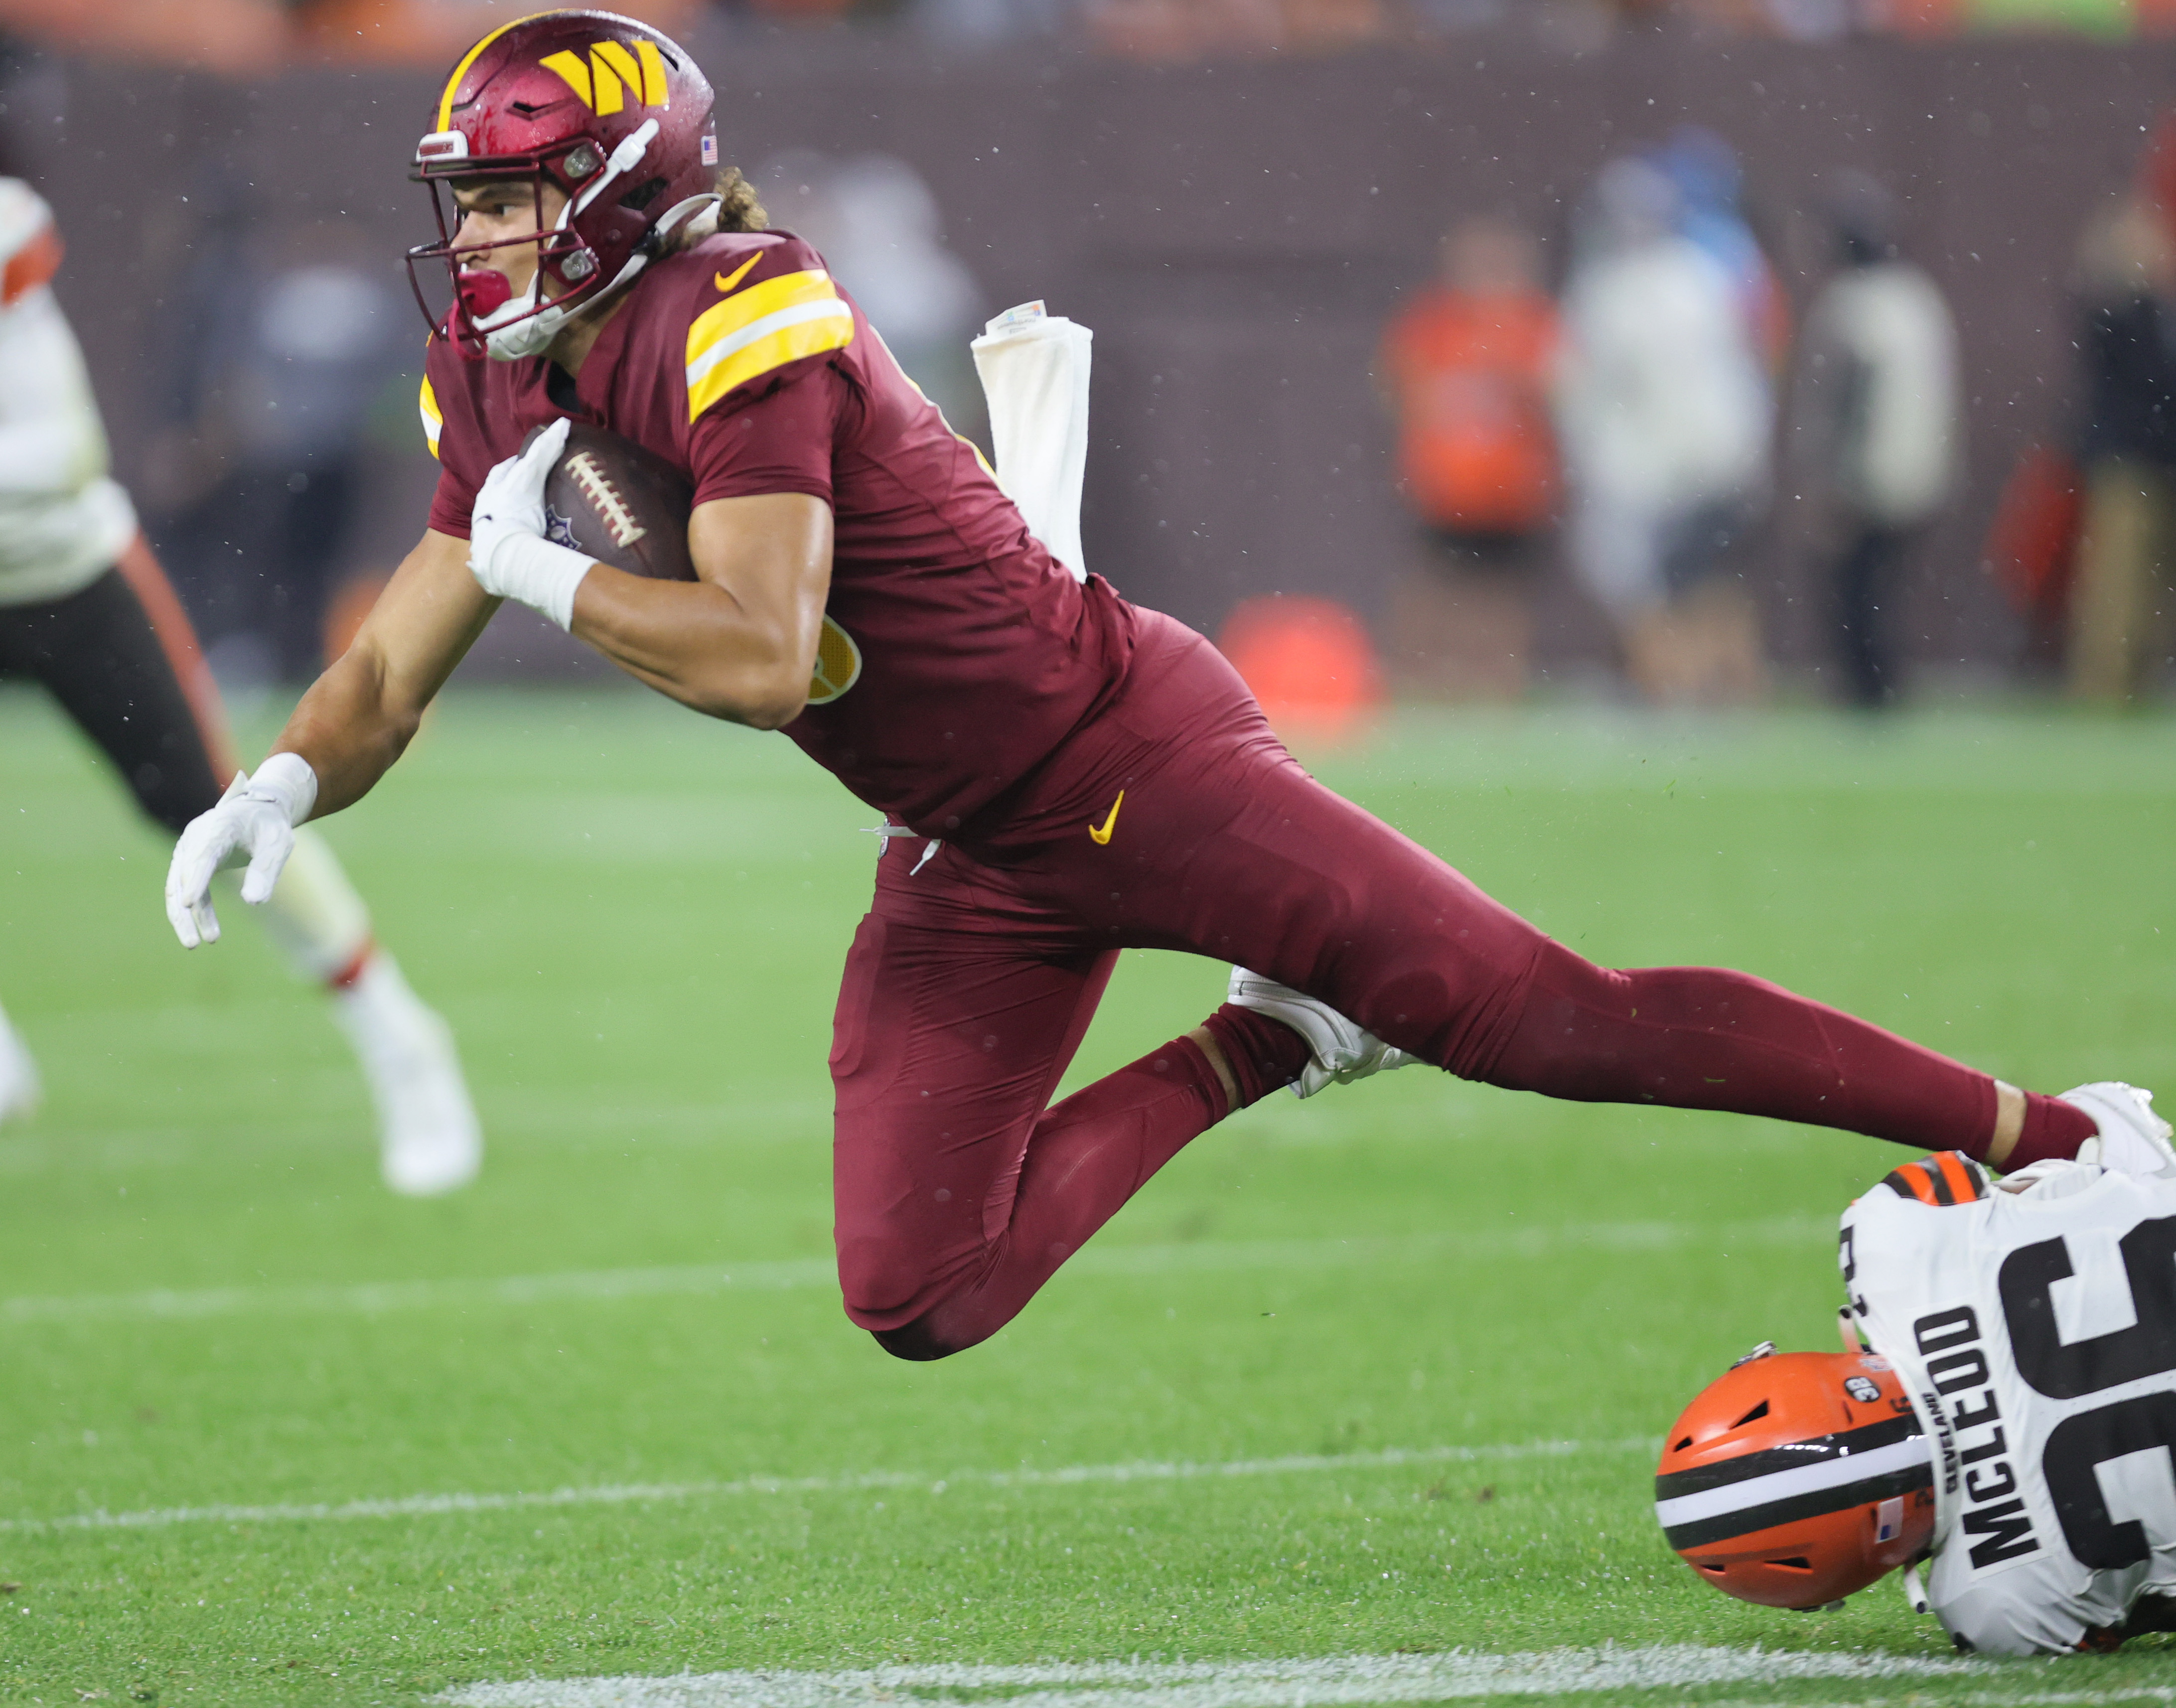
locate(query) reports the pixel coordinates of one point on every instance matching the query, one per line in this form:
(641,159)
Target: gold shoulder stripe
(461,70)
(765,326)
(434,418)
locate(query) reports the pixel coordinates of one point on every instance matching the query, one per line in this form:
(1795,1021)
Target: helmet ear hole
(642,195)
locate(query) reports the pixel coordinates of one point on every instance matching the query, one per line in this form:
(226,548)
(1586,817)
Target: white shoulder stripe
(1798,1479)
(799,314)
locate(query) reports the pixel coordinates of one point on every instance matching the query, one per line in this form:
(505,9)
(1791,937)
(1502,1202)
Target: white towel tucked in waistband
(1034,369)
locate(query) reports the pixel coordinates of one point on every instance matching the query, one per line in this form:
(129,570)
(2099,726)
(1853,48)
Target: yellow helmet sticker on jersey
(838,664)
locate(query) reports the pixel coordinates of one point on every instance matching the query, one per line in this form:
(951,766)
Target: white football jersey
(2035,1332)
(63,520)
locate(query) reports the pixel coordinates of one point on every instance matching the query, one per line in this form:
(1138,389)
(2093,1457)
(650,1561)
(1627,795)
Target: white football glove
(509,555)
(253,822)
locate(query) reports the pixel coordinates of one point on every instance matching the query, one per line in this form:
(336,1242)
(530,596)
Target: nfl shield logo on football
(710,151)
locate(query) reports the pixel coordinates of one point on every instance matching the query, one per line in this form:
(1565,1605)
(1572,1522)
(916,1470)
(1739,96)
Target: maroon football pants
(960,1189)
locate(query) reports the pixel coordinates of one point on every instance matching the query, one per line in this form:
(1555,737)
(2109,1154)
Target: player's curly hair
(739,209)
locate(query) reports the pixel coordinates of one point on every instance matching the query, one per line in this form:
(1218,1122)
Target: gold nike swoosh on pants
(1101,833)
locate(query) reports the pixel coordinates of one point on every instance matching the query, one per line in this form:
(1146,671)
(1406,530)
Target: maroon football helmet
(604,109)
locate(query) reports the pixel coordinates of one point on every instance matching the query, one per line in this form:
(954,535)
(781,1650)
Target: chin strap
(526,329)
(529,331)
(1915,1592)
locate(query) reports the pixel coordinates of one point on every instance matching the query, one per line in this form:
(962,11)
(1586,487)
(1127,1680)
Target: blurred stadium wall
(1235,233)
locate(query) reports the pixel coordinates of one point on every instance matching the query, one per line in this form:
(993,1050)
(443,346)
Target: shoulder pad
(1947,1177)
(763,299)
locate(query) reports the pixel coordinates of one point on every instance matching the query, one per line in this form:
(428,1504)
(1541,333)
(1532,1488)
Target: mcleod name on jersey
(2036,1331)
(956,655)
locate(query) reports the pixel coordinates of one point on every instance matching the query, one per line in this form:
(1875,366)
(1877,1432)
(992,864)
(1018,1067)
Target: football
(619,505)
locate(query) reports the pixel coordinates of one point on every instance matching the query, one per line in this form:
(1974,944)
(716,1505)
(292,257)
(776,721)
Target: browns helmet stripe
(1844,1445)
(1831,1474)
(1871,1484)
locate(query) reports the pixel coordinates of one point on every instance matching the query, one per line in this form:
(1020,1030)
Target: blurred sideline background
(1247,199)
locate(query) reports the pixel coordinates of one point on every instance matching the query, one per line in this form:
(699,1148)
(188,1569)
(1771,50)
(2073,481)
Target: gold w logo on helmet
(612,74)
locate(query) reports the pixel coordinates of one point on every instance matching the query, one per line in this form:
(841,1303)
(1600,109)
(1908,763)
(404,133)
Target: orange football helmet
(1794,1480)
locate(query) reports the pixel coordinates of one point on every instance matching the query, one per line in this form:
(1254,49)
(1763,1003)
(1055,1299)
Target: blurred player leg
(427,1126)
(19,1090)
(122,659)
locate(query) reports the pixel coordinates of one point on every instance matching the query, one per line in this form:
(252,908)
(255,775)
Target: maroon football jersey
(956,653)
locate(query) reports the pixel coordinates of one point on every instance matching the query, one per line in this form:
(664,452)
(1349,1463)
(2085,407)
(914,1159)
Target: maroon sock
(2052,1128)
(1702,1038)
(1264,1055)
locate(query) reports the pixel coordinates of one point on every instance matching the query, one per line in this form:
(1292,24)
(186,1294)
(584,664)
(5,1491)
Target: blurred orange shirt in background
(1468,376)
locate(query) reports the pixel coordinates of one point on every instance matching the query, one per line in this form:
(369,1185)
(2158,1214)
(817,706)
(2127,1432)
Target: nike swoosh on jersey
(1101,833)
(726,281)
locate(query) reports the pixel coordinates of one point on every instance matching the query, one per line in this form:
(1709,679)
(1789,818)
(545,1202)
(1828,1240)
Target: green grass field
(1388,1367)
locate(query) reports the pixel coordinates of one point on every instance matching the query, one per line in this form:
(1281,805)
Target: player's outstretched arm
(351,726)
(361,714)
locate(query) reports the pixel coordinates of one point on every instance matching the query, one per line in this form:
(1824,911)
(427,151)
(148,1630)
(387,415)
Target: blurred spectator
(432,34)
(1464,366)
(289,349)
(256,38)
(1704,170)
(1664,415)
(1877,417)
(2127,450)
(877,225)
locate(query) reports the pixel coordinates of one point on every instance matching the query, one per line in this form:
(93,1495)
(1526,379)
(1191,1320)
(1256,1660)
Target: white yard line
(636,1493)
(1298,1683)
(377,1299)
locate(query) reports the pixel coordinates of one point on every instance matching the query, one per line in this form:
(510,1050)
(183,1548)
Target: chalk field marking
(1301,1684)
(636,1493)
(1982,1699)
(378,1299)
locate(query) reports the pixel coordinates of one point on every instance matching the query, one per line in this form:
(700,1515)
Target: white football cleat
(1340,1050)
(426,1124)
(19,1090)
(2133,1139)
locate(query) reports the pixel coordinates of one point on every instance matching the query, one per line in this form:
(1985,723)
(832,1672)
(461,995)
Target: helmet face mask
(1795,1480)
(484,301)
(602,110)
